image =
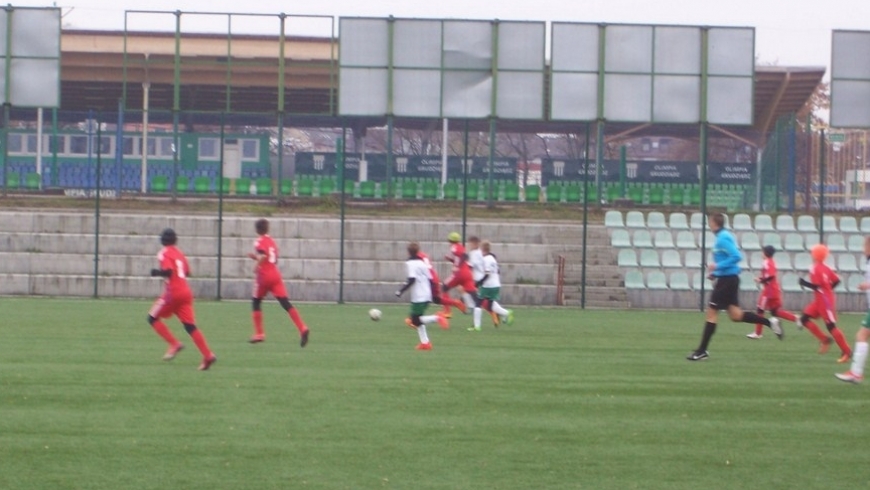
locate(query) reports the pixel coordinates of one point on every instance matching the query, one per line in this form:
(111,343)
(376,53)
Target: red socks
(199,340)
(163,331)
(785,315)
(258,322)
(297,320)
(814,329)
(841,341)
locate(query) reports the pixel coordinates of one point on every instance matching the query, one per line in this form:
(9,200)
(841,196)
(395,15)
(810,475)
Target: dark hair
(413,249)
(486,246)
(719,219)
(168,237)
(262,226)
(768,250)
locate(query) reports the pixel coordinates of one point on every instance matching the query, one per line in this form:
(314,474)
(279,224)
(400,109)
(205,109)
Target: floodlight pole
(220,223)
(823,147)
(389,184)
(341,157)
(176,104)
(705,36)
(281,80)
(96,203)
(465,182)
(585,218)
(792,164)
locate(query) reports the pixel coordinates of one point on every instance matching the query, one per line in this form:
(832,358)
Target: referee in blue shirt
(725,271)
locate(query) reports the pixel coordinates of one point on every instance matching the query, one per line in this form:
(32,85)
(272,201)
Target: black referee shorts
(726,292)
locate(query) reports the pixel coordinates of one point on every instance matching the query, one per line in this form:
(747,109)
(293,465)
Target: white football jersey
(421,290)
(867,279)
(475,259)
(490,268)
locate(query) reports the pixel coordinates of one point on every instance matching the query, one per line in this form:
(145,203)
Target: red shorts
(769,303)
(180,306)
(264,285)
(821,309)
(460,278)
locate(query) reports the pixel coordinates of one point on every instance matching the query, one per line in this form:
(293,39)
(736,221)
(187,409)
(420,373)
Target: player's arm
(765,279)
(167,273)
(258,256)
(410,282)
(732,255)
(807,284)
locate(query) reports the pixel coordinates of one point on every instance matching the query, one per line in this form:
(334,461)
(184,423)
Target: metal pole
(444,129)
(776,167)
(176,103)
(119,148)
(341,157)
(808,189)
(389,183)
(823,149)
(599,159)
(705,36)
(281,81)
(585,218)
(622,169)
(53,146)
(220,223)
(5,143)
(792,163)
(97,203)
(465,181)
(489,191)
(39,123)
(145,96)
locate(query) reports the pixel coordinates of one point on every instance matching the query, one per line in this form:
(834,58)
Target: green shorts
(866,322)
(418,308)
(489,293)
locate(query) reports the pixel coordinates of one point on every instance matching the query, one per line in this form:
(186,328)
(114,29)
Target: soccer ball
(375,314)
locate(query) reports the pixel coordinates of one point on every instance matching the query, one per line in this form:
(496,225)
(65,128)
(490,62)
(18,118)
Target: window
(250,150)
(78,145)
(31,143)
(167,147)
(208,149)
(152,147)
(57,144)
(129,146)
(106,145)
(14,143)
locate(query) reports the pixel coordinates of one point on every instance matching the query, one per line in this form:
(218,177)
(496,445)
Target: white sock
(469,300)
(477,314)
(421,331)
(428,319)
(497,308)
(859,357)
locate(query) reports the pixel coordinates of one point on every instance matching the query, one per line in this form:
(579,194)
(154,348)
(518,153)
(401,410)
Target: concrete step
(610,305)
(238,267)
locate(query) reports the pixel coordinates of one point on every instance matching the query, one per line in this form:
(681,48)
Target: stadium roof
(93,71)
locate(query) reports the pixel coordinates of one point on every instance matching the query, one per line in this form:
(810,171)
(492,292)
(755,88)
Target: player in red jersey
(461,276)
(436,281)
(823,281)
(268,280)
(177,299)
(770,298)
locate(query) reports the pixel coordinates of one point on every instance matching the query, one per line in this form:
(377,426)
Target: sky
(792,33)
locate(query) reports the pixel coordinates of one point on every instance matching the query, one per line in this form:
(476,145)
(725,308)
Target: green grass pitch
(562,399)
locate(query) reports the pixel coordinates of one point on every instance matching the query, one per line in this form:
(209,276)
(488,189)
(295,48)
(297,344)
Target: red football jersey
(459,258)
(171,258)
(768,270)
(431,267)
(822,276)
(266,246)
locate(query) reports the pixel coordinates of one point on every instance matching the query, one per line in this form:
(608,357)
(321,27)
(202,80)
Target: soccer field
(561,399)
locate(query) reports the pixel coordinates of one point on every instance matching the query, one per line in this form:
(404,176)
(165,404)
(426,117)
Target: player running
(435,282)
(725,269)
(855,374)
(770,298)
(823,281)
(268,280)
(461,275)
(488,293)
(177,299)
(419,281)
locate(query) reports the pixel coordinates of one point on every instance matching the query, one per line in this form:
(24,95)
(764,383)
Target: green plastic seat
(349,187)
(657,195)
(409,190)
(286,187)
(31,181)
(511,192)
(243,186)
(13,180)
(326,186)
(201,185)
(572,193)
(305,187)
(695,196)
(554,193)
(182,184)
(472,191)
(533,193)
(225,185)
(430,190)
(678,195)
(451,190)
(592,196)
(264,186)
(160,183)
(367,189)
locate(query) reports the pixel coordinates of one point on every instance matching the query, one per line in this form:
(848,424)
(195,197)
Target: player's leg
(810,312)
(160,310)
(709,329)
(446,301)
(419,321)
(185,314)
(732,296)
(280,293)
(859,356)
(757,334)
(784,314)
(477,315)
(831,324)
(259,293)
